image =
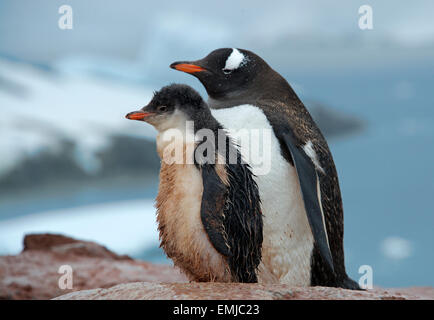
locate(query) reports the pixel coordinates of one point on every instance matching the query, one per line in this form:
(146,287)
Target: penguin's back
(288,240)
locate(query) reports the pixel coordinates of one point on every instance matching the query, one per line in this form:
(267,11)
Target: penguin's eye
(227,71)
(162,108)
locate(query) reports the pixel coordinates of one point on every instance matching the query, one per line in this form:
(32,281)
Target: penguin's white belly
(288,240)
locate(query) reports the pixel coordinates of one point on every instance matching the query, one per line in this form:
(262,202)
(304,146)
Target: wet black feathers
(232,216)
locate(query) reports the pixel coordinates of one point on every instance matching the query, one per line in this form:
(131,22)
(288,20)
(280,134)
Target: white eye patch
(235,60)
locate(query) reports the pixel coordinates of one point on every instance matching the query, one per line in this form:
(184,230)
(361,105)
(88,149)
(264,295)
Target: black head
(171,106)
(226,72)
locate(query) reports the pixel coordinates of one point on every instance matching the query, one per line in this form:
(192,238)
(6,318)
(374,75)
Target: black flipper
(212,209)
(231,215)
(310,189)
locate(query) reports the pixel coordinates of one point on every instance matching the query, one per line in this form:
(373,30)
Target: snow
(125,227)
(40,110)
(45,109)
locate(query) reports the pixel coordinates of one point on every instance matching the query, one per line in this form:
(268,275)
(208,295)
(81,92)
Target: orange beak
(137,115)
(186,67)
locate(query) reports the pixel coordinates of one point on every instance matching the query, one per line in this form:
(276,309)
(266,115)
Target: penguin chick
(208,206)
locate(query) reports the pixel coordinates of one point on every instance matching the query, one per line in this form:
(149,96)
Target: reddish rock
(238,291)
(33,274)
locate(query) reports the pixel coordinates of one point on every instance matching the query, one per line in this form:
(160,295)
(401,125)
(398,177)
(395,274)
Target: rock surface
(33,274)
(237,291)
(101,274)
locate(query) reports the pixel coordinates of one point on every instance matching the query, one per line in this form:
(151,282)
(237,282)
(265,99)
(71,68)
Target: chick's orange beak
(186,67)
(137,115)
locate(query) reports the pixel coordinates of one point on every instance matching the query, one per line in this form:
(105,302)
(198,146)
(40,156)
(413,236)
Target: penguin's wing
(310,189)
(231,215)
(212,209)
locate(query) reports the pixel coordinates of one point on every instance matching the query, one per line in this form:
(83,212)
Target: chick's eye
(227,71)
(162,108)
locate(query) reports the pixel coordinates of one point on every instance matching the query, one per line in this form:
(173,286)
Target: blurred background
(71,164)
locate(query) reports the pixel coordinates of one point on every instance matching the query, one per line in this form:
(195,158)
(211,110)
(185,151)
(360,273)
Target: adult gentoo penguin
(208,208)
(300,196)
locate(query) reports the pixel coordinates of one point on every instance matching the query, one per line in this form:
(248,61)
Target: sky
(137,30)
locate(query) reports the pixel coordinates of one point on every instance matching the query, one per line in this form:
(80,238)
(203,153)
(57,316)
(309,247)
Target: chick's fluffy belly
(182,234)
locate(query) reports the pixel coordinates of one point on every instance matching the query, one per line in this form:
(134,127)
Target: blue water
(75,197)
(387,172)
